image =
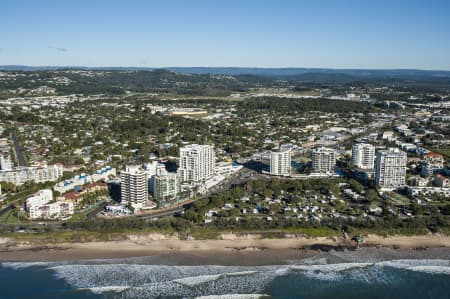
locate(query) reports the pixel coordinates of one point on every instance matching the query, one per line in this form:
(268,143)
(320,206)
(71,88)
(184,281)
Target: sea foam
(123,280)
(107,289)
(232,296)
(23,265)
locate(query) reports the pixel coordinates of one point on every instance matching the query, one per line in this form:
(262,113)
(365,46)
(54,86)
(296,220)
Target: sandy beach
(249,249)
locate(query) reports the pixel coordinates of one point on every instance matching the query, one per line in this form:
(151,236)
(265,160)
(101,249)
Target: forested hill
(217,82)
(118,82)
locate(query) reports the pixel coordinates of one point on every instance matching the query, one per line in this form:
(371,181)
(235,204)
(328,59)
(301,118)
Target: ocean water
(319,277)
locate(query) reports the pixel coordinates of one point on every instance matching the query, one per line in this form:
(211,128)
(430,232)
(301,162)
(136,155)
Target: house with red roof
(442,181)
(77,195)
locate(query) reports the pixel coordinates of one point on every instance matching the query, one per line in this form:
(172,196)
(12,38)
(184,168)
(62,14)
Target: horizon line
(232,67)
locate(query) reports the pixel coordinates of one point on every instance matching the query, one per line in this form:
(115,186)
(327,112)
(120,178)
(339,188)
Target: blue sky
(252,33)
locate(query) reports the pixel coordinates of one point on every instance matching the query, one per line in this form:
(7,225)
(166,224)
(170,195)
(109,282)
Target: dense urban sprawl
(239,152)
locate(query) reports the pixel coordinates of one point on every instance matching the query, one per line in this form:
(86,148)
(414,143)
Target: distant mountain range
(302,71)
(298,74)
(246,70)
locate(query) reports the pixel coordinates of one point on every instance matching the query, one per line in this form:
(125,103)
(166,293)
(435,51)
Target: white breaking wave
(316,260)
(241,273)
(403,264)
(426,266)
(196,280)
(337,272)
(330,267)
(100,290)
(136,281)
(232,296)
(23,265)
(151,281)
(431,269)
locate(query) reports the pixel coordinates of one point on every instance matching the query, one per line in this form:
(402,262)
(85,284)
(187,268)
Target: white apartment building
(390,169)
(38,206)
(40,198)
(5,163)
(153,169)
(134,185)
(69,185)
(363,155)
(167,186)
(432,163)
(280,162)
(42,174)
(103,174)
(56,210)
(323,159)
(197,163)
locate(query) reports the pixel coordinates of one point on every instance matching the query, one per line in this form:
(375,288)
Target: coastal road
(165,213)
(18,151)
(235,180)
(6,210)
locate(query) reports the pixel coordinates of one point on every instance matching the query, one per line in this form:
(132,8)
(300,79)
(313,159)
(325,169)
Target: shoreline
(247,249)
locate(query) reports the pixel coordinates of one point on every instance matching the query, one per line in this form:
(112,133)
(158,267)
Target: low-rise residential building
(388,135)
(70,184)
(77,181)
(118,210)
(39,206)
(103,174)
(40,198)
(432,163)
(417,181)
(5,163)
(56,210)
(434,159)
(77,195)
(442,181)
(421,191)
(227,168)
(21,175)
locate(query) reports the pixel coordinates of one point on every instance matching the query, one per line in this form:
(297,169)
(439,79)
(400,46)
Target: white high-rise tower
(390,168)
(363,155)
(323,159)
(197,163)
(134,185)
(280,163)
